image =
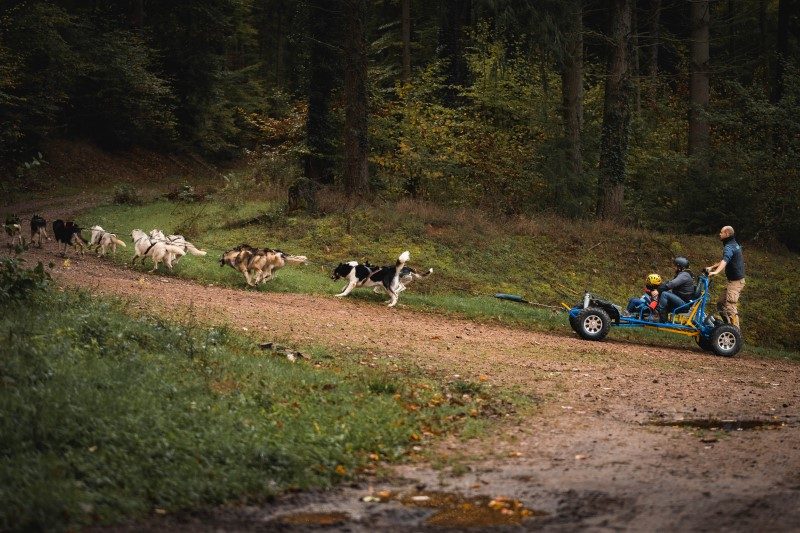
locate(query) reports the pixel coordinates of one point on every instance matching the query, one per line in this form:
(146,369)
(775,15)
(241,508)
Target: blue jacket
(732,255)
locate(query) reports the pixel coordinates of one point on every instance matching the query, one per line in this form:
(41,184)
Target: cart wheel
(726,340)
(593,324)
(703,342)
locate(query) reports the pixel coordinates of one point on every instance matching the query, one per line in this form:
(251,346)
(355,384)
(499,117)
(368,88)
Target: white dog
(176,240)
(158,251)
(102,240)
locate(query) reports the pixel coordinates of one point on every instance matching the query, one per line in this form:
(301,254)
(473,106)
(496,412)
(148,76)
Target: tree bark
(699,87)
(616,114)
(637,89)
(322,66)
(785,11)
(455,16)
(653,44)
(406,36)
(568,190)
(356,139)
(136,15)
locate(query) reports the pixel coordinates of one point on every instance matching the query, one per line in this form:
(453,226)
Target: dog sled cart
(593,317)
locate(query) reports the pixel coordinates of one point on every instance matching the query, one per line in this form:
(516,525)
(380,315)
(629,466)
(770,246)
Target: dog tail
(177,250)
(295,259)
(427,273)
(194,251)
(403,259)
(118,242)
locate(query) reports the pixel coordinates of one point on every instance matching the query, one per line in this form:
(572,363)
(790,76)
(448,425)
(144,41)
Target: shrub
(18,283)
(127,194)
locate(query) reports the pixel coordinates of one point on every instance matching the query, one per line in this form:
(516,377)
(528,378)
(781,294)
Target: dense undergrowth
(474,254)
(106,414)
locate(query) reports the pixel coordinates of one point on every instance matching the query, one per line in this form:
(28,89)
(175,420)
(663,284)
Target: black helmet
(681,262)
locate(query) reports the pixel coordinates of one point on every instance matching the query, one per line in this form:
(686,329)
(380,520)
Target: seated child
(647,300)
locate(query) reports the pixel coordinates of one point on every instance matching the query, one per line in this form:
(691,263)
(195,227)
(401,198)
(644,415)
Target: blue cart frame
(593,318)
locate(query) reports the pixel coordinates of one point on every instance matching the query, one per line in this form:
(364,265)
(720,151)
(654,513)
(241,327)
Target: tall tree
(319,129)
(699,87)
(616,113)
(568,189)
(356,139)
(653,37)
(786,9)
(406,36)
(455,18)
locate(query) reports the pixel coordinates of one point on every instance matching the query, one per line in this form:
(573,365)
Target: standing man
(733,263)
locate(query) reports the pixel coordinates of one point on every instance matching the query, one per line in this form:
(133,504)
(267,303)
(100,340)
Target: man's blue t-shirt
(732,255)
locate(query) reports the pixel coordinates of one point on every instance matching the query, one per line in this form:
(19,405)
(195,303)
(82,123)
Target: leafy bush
(19,283)
(127,194)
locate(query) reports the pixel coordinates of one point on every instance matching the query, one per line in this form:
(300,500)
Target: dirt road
(589,458)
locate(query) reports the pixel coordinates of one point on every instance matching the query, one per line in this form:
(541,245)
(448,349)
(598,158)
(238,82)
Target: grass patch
(547,260)
(107,415)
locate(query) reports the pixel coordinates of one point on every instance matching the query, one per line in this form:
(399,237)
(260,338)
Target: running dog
(176,240)
(259,265)
(158,251)
(69,234)
(102,240)
(366,275)
(38,230)
(407,275)
(13,229)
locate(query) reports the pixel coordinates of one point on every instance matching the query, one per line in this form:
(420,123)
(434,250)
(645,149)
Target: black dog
(69,233)
(38,230)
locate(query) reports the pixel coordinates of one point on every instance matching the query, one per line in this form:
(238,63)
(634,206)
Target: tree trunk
(136,15)
(356,140)
(616,114)
(637,89)
(319,130)
(568,190)
(699,92)
(785,11)
(652,46)
(406,36)
(279,45)
(455,16)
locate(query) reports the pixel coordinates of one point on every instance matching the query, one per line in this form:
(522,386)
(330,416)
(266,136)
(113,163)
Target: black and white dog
(407,275)
(366,275)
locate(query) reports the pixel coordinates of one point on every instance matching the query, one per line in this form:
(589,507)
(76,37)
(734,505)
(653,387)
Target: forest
(675,115)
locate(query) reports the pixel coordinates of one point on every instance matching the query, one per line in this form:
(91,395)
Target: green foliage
(20,283)
(107,416)
(482,153)
(127,194)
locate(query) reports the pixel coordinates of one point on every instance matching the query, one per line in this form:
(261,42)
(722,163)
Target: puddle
(313,519)
(457,511)
(721,425)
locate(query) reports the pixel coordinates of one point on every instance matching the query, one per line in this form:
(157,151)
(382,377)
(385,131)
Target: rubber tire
(725,334)
(593,314)
(704,343)
(573,322)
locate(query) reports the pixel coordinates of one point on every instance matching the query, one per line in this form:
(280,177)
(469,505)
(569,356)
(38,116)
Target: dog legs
(348,289)
(393,294)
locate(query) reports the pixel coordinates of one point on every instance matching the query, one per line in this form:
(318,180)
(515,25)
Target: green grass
(548,260)
(108,415)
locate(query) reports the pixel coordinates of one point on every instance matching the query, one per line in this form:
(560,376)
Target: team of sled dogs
(257,265)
